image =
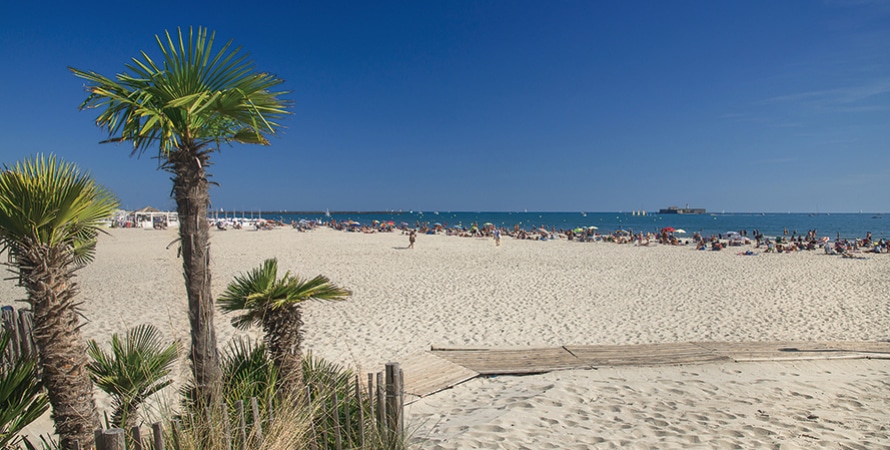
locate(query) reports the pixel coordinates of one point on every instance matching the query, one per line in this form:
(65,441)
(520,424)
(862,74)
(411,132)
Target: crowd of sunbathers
(781,244)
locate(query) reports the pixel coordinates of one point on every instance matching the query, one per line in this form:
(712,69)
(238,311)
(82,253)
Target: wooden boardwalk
(443,367)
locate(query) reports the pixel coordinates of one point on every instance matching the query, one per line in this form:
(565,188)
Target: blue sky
(496,106)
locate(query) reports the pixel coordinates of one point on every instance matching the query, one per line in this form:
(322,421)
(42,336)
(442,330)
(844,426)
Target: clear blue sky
(496,106)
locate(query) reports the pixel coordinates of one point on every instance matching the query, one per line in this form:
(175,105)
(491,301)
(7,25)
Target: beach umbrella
(668,229)
(578,230)
(592,228)
(680,231)
(390,223)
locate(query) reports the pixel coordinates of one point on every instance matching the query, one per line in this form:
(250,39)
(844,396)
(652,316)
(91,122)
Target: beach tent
(148,216)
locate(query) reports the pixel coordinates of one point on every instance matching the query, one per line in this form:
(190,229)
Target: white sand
(466,291)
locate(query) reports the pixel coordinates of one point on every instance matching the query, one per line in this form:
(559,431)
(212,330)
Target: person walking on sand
(411,238)
(497,237)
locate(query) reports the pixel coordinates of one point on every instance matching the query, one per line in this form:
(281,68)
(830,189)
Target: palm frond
(189,94)
(46,201)
(245,291)
(247,372)
(260,289)
(22,399)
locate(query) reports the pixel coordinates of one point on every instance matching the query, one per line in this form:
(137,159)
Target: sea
(833,225)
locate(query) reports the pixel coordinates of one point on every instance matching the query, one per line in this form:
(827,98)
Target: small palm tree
(264,299)
(185,105)
(134,370)
(22,399)
(50,216)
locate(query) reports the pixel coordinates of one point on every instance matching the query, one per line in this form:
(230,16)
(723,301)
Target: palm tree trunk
(282,329)
(47,277)
(192,201)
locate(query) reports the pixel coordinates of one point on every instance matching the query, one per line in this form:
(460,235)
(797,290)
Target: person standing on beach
(497,237)
(411,238)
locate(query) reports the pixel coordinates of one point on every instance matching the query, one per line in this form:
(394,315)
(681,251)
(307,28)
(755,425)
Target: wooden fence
(19,324)
(384,398)
(381,403)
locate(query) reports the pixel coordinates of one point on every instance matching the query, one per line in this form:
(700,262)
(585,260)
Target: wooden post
(257,420)
(347,425)
(401,402)
(26,333)
(393,406)
(336,413)
(313,443)
(177,434)
(136,437)
(381,403)
(371,386)
(361,412)
(9,324)
(227,429)
(112,439)
(242,422)
(157,432)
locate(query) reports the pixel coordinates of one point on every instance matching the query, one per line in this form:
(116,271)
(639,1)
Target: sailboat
(327,213)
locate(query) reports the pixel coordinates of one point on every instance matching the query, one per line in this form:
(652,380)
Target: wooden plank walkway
(426,373)
(645,355)
(444,367)
(512,361)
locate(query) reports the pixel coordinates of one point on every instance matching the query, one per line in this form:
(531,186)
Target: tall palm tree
(186,106)
(135,369)
(264,299)
(50,215)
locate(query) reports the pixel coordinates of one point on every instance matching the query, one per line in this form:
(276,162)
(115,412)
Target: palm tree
(134,370)
(50,215)
(187,106)
(264,299)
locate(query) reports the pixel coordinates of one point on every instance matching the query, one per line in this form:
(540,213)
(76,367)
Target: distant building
(147,217)
(678,210)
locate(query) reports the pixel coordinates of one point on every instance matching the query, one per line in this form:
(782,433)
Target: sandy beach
(466,291)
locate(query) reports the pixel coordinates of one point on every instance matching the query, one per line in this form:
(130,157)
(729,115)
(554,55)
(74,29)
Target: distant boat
(327,213)
(583,214)
(686,210)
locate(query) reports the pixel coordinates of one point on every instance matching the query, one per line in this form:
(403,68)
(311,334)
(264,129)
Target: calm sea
(770,224)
